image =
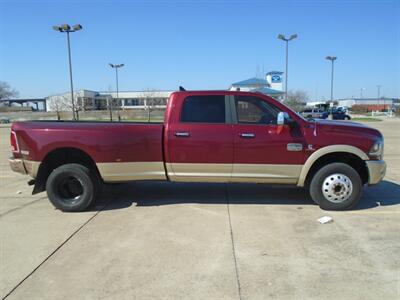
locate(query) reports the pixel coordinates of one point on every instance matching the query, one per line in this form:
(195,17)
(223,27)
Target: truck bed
(120,150)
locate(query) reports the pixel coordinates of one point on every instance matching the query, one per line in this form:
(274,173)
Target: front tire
(71,187)
(336,186)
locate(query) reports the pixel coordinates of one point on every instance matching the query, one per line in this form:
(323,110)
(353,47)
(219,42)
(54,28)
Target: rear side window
(204,109)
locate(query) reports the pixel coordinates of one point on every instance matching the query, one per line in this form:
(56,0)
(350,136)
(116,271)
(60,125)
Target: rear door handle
(182,134)
(247,135)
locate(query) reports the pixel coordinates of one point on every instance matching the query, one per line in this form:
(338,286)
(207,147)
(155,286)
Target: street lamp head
(77,27)
(281,37)
(120,65)
(331,58)
(65,27)
(57,28)
(111,65)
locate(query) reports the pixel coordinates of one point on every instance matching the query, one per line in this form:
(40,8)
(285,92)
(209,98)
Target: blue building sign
(276,78)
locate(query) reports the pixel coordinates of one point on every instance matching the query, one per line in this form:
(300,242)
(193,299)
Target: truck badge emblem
(294,147)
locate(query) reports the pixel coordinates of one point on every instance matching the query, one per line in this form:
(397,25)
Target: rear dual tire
(336,186)
(72,187)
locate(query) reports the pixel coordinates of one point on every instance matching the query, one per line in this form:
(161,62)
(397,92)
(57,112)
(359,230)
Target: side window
(203,109)
(252,110)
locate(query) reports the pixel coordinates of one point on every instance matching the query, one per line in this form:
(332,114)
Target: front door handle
(247,135)
(182,134)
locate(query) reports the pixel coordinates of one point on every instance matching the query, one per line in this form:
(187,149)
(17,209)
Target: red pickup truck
(207,136)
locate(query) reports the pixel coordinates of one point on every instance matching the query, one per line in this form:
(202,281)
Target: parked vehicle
(4,120)
(207,136)
(314,113)
(339,114)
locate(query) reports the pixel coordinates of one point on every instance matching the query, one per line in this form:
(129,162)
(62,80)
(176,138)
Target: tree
(6,92)
(64,103)
(152,100)
(297,99)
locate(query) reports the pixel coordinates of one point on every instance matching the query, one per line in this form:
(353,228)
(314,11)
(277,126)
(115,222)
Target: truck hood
(346,127)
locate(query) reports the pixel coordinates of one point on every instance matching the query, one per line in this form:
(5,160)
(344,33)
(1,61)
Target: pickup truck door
(264,151)
(200,143)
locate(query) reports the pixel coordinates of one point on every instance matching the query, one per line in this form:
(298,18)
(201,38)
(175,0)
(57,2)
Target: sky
(201,45)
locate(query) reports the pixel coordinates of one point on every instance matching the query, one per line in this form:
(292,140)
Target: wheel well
(59,157)
(344,157)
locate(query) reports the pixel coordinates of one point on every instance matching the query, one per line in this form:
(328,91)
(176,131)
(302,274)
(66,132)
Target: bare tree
(64,103)
(55,106)
(296,99)
(153,101)
(6,92)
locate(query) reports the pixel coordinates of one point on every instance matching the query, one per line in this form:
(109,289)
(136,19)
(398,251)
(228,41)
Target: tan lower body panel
(258,173)
(265,173)
(127,171)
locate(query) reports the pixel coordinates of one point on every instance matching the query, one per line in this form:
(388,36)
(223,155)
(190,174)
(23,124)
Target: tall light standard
(361,92)
(379,95)
(283,38)
(332,59)
(66,28)
(116,67)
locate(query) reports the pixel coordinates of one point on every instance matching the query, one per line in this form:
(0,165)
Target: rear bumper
(17,165)
(25,167)
(376,171)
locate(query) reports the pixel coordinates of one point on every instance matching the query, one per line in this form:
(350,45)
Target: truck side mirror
(283,118)
(280,120)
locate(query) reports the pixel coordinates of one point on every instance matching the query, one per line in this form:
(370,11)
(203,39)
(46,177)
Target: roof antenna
(181,89)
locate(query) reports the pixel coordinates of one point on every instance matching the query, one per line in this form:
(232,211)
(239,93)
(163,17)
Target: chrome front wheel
(337,188)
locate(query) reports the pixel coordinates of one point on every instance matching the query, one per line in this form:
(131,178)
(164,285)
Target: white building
(92,100)
(372,102)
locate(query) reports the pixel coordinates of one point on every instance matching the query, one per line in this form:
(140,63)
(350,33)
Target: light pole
(379,94)
(361,92)
(283,38)
(66,28)
(116,67)
(332,59)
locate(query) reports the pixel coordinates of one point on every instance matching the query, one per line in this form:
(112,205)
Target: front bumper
(376,171)
(25,167)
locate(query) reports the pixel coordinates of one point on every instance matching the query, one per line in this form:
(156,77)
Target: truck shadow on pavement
(153,193)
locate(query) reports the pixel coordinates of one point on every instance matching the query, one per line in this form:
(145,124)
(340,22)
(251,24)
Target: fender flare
(327,150)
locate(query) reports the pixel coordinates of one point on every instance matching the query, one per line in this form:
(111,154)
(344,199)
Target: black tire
(331,190)
(347,118)
(72,187)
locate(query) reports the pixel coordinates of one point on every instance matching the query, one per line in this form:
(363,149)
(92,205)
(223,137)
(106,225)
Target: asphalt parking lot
(149,240)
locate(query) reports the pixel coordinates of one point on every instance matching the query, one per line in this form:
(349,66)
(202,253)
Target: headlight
(376,150)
